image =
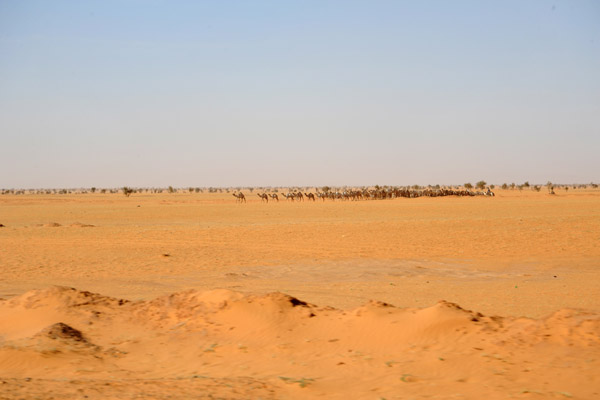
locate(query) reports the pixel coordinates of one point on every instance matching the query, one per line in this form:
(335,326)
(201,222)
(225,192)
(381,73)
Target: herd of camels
(364,194)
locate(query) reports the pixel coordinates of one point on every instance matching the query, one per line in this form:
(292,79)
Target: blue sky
(239,93)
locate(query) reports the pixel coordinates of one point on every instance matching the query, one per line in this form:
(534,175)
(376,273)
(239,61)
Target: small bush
(468,186)
(504,186)
(480,184)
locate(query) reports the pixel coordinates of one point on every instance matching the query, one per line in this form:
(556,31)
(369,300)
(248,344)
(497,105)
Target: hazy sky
(253,93)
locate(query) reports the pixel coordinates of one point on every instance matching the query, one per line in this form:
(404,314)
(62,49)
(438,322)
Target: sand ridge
(287,348)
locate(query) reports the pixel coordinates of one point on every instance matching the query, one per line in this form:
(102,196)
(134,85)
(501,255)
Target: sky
(149,93)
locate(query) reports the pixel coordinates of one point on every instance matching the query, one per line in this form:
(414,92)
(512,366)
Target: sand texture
(196,296)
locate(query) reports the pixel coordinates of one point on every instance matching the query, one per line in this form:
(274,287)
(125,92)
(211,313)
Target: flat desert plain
(191,295)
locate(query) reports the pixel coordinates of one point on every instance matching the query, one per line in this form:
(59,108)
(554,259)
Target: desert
(196,295)
(299,200)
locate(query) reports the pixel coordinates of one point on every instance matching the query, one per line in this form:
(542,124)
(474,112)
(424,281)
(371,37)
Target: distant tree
(595,186)
(191,189)
(127,191)
(566,188)
(504,186)
(492,186)
(480,184)
(93,190)
(512,185)
(171,189)
(468,185)
(326,189)
(526,184)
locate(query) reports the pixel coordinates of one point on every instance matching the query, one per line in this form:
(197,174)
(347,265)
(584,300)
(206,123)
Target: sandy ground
(176,296)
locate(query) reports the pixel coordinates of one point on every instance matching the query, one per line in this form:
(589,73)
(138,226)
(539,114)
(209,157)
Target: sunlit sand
(196,295)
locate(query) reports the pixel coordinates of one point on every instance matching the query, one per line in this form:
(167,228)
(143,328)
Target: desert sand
(191,295)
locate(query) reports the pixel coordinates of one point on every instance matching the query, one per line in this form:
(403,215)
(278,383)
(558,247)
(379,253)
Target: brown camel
(275,197)
(310,196)
(263,197)
(240,197)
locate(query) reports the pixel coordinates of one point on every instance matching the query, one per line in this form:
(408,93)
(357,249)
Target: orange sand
(520,254)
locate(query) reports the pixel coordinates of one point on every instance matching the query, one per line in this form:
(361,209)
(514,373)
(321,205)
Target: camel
(275,197)
(263,197)
(289,196)
(240,197)
(310,196)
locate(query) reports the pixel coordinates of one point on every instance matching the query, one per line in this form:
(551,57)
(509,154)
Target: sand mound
(62,297)
(62,331)
(214,341)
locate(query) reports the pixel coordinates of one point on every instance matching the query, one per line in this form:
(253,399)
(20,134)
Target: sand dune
(226,344)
